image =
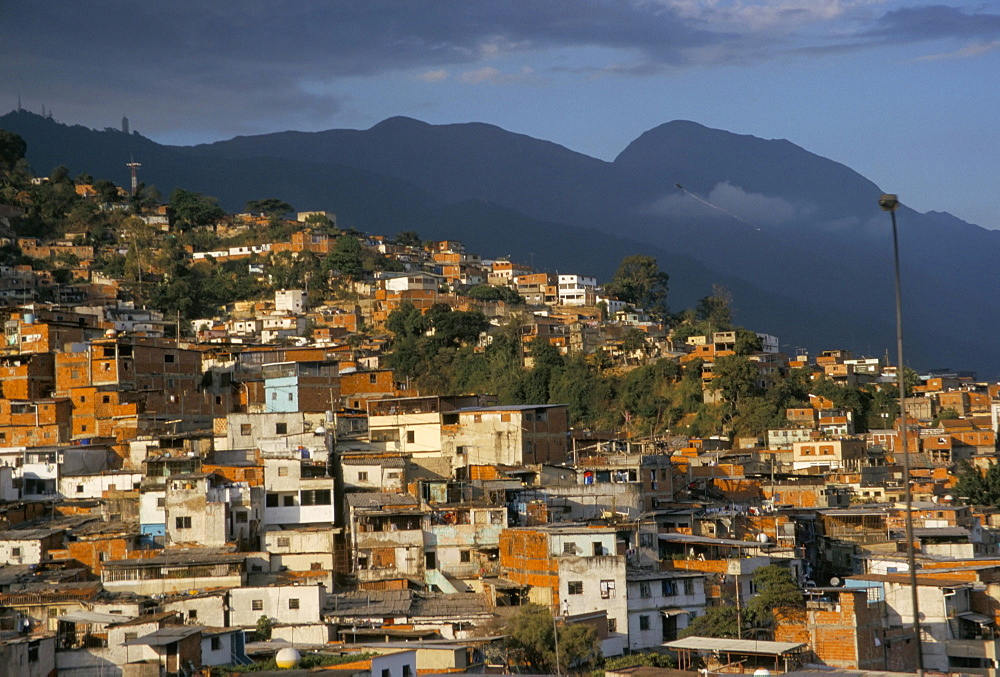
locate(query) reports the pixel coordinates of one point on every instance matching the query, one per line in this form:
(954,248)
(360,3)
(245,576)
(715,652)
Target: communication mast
(134,166)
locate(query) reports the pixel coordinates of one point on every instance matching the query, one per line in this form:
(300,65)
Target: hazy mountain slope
(797,237)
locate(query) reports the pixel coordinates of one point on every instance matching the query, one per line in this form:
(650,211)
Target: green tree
(721,621)
(640,282)
(489,292)
(192,209)
(531,642)
(778,595)
(408,238)
(346,258)
(12,149)
(976,487)
(737,377)
(407,321)
(270,207)
(747,342)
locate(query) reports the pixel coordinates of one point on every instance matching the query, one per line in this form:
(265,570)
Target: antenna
(134,166)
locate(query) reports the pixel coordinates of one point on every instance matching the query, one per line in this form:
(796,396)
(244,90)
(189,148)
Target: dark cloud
(256,61)
(938,22)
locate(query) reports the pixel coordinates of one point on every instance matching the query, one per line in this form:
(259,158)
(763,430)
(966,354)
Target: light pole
(890,203)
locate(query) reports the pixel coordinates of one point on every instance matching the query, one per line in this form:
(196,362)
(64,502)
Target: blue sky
(906,93)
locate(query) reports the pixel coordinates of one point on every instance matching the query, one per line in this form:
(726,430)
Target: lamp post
(890,203)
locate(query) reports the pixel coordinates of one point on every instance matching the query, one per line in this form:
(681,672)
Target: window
(612,625)
(316,497)
(245,429)
(284,542)
(411,436)
(241,516)
(271,501)
(83,428)
(607,589)
(644,589)
(465,556)
(392,475)
(667,588)
(575,587)
(373,378)
(688,586)
(216,643)
(289,501)
(362,476)
(79,488)
(293,603)
(646,540)
(290,397)
(183,522)
(33,652)
(256,605)
(168,358)
(386,673)
(192,614)
(283,471)
(644,622)
(249,474)
(505,418)
(280,428)
(407,671)
(131,635)
(15,552)
(569,548)
(106,399)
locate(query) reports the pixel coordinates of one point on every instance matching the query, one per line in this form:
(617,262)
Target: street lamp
(890,203)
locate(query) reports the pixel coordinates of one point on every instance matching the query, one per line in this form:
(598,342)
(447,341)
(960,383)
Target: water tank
(288,658)
(762,538)
(29,318)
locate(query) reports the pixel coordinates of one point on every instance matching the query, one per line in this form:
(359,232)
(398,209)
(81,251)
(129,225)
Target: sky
(905,92)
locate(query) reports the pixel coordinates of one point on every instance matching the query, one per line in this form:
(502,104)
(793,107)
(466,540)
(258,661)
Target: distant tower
(19,109)
(124,124)
(134,166)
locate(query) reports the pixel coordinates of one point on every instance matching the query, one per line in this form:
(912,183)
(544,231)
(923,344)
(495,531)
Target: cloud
(493,76)
(728,202)
(434,75)
(259,60)
(963,53)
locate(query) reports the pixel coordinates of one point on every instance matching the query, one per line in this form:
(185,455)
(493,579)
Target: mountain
(797,238)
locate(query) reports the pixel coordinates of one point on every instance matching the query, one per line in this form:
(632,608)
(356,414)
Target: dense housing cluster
(307,467)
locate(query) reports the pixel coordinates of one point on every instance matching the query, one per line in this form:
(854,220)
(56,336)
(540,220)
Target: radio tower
(134,166)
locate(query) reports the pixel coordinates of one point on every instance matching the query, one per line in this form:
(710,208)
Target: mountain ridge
(784,227)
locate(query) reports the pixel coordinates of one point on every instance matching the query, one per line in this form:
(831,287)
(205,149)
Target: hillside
(797,238)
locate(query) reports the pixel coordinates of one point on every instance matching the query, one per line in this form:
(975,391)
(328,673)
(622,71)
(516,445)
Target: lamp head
(888,202)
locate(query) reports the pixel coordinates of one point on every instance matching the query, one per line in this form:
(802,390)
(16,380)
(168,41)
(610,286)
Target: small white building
(283,604)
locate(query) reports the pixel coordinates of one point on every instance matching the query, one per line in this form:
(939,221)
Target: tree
(778,595)
(747,342)
(717,621)
(976,487)
(736,377)
(531,642)
(346,257)
(489,292)
(716,310)
(271,207)
(408,238)
(12,149)
(640,282)
(192,209)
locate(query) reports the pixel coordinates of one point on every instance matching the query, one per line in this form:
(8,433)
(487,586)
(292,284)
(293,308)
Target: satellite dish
(835,581)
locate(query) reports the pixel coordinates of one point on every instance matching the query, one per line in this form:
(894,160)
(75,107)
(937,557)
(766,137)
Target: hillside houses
(176,489)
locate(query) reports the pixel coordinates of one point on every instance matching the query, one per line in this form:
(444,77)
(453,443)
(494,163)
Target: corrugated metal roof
(749,646)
